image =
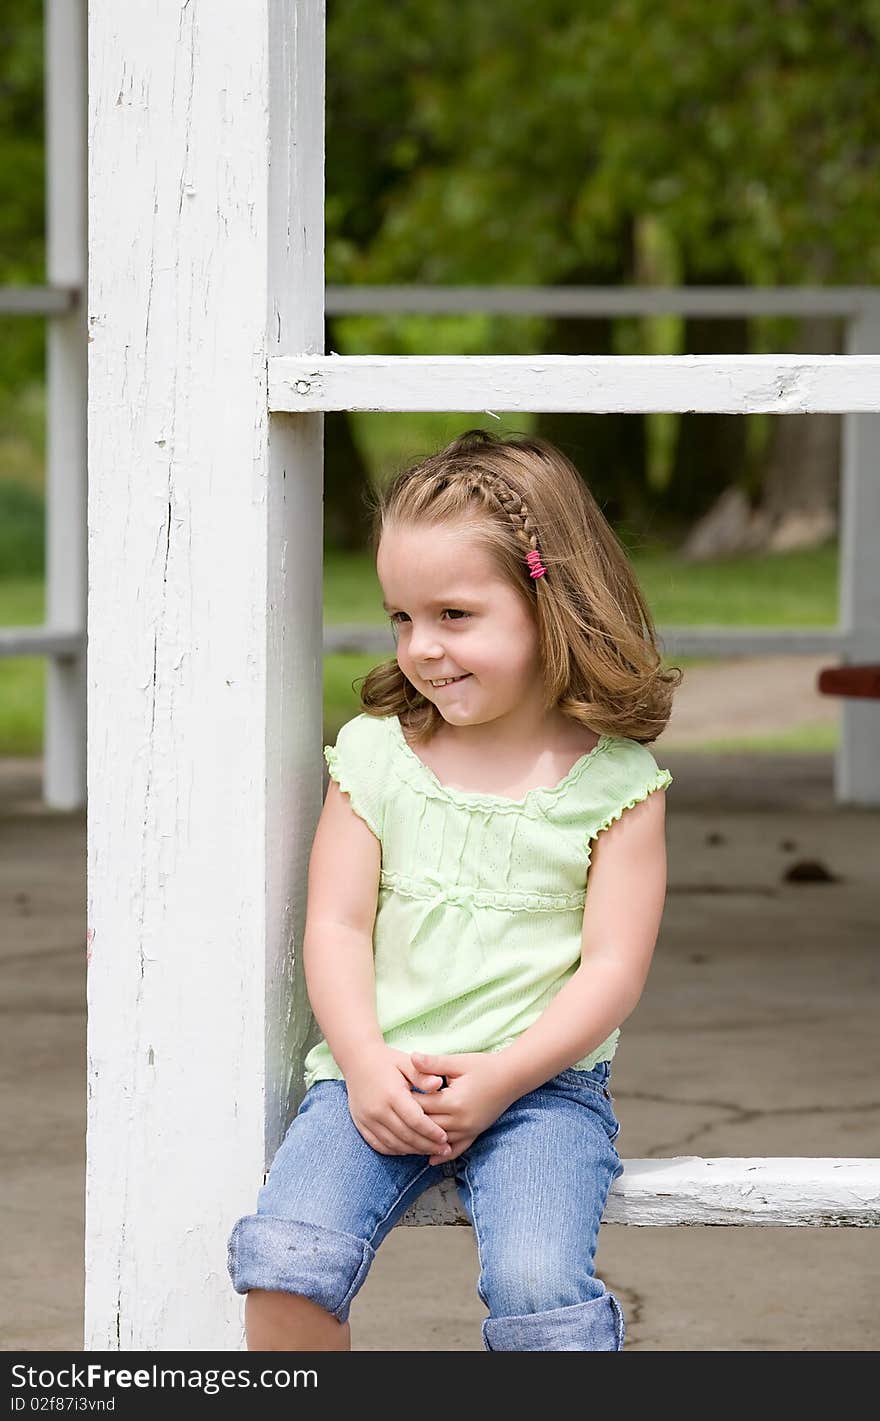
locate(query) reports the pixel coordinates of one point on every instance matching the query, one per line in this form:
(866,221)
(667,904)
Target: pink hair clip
(536,567)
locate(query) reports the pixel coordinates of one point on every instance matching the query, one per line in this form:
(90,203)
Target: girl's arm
(626,891)
(343,889)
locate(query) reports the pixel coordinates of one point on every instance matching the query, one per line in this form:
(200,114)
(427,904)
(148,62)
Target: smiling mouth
(454,682)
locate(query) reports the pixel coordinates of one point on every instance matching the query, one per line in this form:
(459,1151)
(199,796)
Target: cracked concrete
(756,1035)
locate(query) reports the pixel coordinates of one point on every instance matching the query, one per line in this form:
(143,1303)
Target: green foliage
(471,143)
(513,147)
(22,541)
(22,182)
(578,141)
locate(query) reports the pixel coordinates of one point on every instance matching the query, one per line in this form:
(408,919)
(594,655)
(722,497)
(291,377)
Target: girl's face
(454,615)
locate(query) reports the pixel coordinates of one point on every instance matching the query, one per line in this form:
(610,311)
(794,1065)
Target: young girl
(451,948)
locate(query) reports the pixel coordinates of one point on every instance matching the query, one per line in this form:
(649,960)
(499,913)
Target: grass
(22,678)
(791,589)
(802,739)
(786,589)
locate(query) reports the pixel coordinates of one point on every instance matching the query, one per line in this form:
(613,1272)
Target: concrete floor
(756,1035)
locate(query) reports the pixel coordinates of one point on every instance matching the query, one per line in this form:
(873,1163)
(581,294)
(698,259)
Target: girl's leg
(327,1203)
(535,1186)
(287,1322)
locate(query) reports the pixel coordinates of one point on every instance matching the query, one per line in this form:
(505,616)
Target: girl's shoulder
(359,763)
(620,775)
(624,756)
(364,733)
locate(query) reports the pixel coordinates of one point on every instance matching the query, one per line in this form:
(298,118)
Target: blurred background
(573,144)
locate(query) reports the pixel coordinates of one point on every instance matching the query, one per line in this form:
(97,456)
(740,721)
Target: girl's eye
(455,612)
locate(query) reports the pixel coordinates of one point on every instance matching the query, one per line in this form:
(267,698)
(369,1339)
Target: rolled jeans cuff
(594,1326)
(323,1264)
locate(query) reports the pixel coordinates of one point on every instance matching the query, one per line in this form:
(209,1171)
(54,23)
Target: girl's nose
(424,648)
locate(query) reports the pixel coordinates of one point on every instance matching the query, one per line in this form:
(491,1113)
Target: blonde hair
(597,642)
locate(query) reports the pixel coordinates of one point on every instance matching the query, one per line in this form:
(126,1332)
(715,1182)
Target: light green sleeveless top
(481,898)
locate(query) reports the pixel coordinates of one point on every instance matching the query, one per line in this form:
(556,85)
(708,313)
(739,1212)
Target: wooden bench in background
(863,681)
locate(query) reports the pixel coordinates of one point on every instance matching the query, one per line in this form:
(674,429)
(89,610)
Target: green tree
(22,197)
(749,135)
(474,143)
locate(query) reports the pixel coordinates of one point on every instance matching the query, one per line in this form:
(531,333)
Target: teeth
(448,680)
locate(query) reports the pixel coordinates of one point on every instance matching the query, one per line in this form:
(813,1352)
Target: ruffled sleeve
(628,774)
(358,764)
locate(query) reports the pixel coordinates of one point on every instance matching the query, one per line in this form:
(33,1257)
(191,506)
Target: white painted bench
(686,1189)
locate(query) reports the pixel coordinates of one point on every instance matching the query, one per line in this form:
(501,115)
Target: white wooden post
(857,763)
(205,651)
(64,739)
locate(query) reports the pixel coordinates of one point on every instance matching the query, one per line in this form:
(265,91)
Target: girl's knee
(531,1283)
(296,1257)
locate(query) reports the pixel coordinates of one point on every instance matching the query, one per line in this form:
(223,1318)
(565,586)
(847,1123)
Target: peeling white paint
(202,804)
(817,1193)
(601,384)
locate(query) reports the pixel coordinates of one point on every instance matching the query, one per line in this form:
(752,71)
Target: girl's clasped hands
(442,1121)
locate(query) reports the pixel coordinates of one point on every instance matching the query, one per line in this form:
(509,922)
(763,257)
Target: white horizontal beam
(824,1193)
(573,301)
(360,637)
(38,300)
(40,641)
(676,641)
(754,641)
(733,301)
(598,384)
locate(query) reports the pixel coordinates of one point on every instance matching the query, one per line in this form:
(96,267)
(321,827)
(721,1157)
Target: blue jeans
(534,1186)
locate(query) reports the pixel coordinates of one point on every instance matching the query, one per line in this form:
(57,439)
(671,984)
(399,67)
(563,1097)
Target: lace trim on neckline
(416,769)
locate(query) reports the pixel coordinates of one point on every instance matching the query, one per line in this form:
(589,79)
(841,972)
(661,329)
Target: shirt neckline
(480,796)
